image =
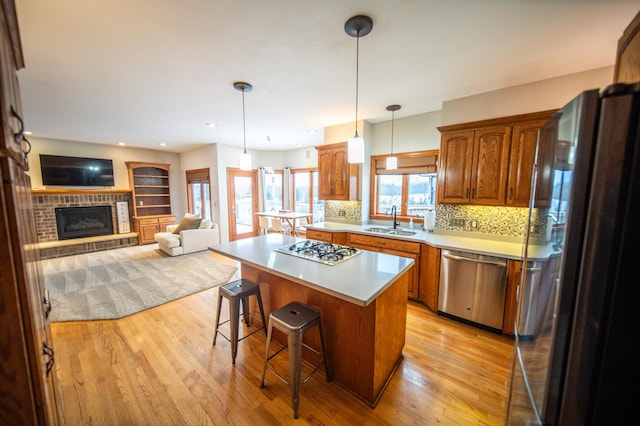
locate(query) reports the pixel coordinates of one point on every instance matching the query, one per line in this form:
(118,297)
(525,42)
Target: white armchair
(188,240)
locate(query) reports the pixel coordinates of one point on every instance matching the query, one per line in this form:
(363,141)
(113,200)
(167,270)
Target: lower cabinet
(397,248)
(511,301)
(429,276)
(148,226)
(328,236)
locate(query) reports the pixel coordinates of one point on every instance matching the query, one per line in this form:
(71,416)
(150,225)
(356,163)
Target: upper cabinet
(338,180)
(489,162)
(627,69)
(473,166)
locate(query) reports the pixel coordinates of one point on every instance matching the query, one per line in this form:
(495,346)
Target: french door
(242,190)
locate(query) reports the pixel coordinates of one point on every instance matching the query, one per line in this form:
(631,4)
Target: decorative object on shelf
(357,26)
(245,157)
(392,162)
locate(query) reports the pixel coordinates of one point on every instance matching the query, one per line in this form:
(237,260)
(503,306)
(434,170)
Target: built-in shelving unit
(151,192)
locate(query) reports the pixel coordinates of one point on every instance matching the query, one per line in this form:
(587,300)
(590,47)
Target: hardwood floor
(159,367)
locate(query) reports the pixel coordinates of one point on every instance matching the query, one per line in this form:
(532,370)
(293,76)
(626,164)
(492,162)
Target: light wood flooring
(158,367)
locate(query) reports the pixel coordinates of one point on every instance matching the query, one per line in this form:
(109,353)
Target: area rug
(115,283)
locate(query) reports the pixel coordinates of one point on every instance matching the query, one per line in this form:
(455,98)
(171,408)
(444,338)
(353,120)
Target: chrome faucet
(393,213)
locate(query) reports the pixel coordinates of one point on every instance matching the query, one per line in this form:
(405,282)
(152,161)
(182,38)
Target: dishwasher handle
(490,262)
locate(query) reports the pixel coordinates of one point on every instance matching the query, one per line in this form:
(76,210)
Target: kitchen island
(362,303)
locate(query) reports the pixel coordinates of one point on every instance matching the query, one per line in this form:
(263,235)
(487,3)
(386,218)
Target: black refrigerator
(581,365)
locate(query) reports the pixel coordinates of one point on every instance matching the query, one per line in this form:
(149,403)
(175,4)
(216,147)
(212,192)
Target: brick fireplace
(45,204)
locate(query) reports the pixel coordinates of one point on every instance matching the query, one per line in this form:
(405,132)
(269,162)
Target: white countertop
(487,245)
(358,280)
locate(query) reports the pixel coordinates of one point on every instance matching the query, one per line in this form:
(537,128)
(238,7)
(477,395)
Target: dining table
(291,217)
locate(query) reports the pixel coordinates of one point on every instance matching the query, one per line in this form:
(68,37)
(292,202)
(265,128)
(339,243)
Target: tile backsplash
(343,211)
(501,221)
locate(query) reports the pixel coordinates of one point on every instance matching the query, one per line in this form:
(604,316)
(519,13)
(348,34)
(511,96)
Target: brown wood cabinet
(148,226)
(429,276)
(489,162)
(328,236)
(397,248)
(473,166)
(627,69)
(338,180)
(151,195)
(521,163)
(511,301)
(26,356)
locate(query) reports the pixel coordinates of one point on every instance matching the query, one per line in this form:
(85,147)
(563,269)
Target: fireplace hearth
(80,222)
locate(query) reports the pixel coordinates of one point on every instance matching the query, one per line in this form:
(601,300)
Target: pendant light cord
(357,73)
(393,115)
(244,126)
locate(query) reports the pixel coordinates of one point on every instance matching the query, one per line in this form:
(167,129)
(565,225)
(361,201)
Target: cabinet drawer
(150,221)
(169,220)
(389,243)
(314,234)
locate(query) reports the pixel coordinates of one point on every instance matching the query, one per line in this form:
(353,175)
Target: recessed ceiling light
(163,144)
(211,124)
(121,143)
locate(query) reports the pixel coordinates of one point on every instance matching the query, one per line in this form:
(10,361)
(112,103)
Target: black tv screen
(76,171)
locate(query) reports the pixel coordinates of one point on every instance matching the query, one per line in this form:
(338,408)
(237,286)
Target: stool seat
(238,292)
(294,319)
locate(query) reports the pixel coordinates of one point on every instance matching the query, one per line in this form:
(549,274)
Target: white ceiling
(146,72)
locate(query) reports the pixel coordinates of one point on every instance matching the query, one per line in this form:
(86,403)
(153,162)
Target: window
(305,193)
(273,190)
(411,188)
(199,192)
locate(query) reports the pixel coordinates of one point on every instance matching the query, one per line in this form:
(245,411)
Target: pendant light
(392,162)
(357,26)
(245,157)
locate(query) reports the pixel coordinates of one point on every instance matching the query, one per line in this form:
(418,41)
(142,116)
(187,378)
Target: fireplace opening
(80,222)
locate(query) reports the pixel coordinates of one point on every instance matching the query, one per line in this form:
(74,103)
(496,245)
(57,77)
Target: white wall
(414,133)
(118,154)
(538,96)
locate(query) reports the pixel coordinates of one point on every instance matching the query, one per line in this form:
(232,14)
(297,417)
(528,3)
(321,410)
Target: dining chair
(265,225)
(278,226)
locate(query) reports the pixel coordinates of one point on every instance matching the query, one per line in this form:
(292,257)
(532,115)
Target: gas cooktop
(319,251)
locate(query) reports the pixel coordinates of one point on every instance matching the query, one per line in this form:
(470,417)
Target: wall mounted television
(76,171)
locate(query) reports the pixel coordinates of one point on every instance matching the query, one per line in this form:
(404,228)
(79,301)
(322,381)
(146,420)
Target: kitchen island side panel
(363,343)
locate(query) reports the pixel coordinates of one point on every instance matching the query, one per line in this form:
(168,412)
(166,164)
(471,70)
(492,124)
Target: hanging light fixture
(245,157)
(392,162)
(357,26)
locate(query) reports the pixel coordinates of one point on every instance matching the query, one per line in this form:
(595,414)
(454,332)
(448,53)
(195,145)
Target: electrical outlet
(458,222)
(342,213)
(474,224)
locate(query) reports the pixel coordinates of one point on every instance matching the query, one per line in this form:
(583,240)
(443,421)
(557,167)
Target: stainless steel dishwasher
(473,287)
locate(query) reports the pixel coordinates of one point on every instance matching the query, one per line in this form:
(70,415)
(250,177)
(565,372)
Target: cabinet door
(11,107)
(429,276)
(522,159)
(325,173)
(490,166)
(340,174)
(413,277)
(546,158)
(456,155)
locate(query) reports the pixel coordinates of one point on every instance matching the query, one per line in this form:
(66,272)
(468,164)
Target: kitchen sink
(389,231)
(378,230)
(400,232)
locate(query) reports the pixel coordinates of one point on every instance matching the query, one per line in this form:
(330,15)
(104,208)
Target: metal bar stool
(294,319)
(236,292)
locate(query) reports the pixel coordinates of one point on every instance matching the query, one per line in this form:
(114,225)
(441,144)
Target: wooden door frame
(231,174)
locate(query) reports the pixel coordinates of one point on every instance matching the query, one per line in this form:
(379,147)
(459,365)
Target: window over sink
(411,187)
